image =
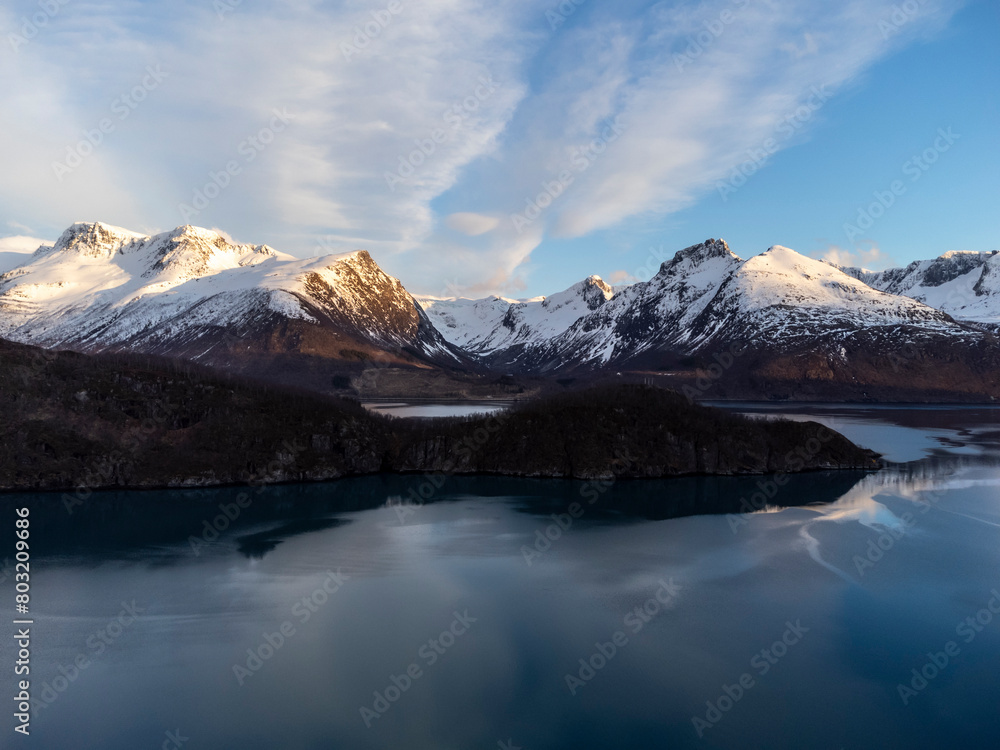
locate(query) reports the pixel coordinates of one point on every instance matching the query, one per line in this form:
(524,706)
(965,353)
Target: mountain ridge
(965,284)
(193,294)
(807,328)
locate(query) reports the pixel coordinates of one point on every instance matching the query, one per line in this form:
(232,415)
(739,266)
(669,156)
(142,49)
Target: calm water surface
(344,616)
(435,409)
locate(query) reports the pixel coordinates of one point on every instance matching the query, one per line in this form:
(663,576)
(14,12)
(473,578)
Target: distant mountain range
(963,284)
(800,328)
(777,325)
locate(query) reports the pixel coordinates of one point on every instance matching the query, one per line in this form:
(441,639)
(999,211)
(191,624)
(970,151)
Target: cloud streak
(416,130)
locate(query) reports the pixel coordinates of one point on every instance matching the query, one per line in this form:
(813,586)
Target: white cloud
(455,108)
(690,121)
(872,259)
(20,243)
(22,227)
(471,224)
(16,250)
(226,236)
(621,276)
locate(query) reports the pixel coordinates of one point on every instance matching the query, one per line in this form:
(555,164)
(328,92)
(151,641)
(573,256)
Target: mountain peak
(781,259)
(359,256)
(595,282)
(695,255)
(795,273)
(190,251)
(964,284)
(199,233)
(593,290)
(596,291)
(93,239)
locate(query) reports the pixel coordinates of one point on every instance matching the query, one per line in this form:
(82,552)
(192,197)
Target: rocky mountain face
(966,285)
(193,294)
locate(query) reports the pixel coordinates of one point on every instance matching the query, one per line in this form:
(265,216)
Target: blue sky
(511,146)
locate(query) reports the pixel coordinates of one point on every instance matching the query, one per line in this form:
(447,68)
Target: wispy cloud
(870,259)
(20,243)
(16,250)
(419,138)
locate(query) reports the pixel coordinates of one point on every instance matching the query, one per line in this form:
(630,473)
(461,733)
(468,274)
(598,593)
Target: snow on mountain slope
(466,322)
(646,315)
(482,326)
(102,287)
(966,285)
(12,259)
(781,295)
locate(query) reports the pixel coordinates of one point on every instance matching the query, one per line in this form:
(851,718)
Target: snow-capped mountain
(705,293)
(485,325)
(792,318)
(966,285)
(782,297)
(778,324)
(192,293)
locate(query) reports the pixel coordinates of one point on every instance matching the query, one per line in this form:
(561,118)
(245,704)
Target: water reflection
(255,521)
(741,578)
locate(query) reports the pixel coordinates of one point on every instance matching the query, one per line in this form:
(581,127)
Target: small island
(125,421)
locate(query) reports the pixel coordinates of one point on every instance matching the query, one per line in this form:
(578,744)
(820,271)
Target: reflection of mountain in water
(178,523)
(212,521)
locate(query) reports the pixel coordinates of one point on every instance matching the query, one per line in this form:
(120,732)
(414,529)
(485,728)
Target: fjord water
(435,408)
(788,628)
